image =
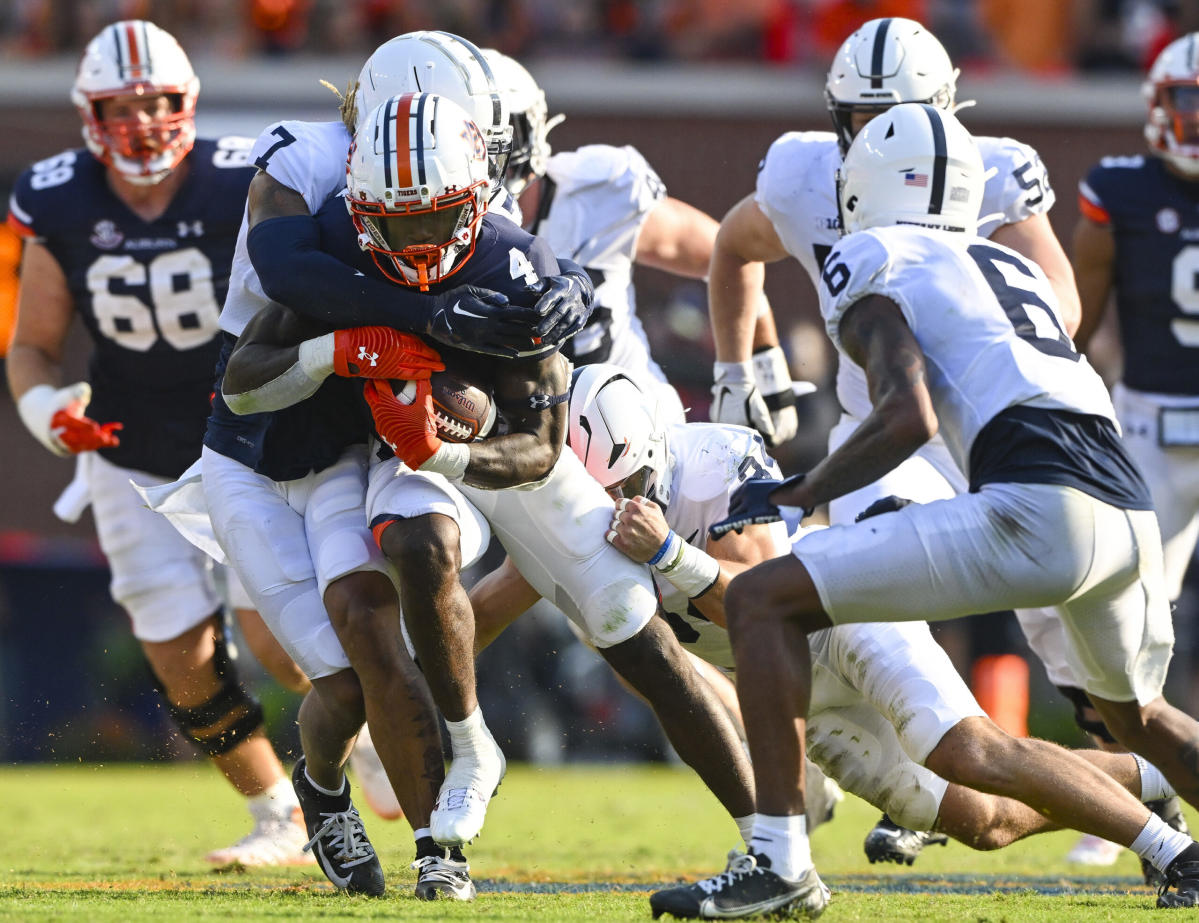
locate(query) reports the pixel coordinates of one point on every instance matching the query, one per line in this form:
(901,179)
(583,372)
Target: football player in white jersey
(794,212)
(133,235)
(606,208)
(959,334)
(671,484)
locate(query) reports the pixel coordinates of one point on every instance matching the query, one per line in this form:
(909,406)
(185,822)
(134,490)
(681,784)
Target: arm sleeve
(294,271)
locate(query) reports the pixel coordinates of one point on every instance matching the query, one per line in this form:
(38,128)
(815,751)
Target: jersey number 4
(182,308)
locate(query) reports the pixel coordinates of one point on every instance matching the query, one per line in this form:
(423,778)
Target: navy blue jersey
(1154,219)
(149,293)
(312,434)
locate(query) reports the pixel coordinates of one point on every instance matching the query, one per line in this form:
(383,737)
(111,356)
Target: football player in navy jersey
(134,235)
(1137,237)
(539,500)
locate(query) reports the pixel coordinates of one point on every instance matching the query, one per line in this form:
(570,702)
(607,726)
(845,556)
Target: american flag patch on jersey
(915,179)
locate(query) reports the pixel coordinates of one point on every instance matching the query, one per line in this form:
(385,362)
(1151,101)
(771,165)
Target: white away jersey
(309,157)
(709,461)
(601,196)
(797,191)
(985,317)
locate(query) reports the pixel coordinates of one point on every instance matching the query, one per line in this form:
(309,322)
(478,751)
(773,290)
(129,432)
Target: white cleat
(1093,850)
(462,802)
(272,842)
(372,778)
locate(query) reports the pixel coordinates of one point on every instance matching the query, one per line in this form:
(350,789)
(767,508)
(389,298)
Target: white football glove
(39,404)
(773,378)
(736,398)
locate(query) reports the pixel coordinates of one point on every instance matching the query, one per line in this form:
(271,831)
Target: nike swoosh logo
(337,880)
(458,309)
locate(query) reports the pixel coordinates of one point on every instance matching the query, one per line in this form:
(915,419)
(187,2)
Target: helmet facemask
(420,246)
(126,65)
(1173,126)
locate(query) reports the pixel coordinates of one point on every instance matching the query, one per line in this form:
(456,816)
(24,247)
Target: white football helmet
(530,120)
(887,61)
(136,58)
(914,164)
(616,435)
(449,66)
(417,187)
(1172,91)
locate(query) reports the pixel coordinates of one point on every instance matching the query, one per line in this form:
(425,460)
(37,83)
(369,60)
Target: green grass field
(124,843)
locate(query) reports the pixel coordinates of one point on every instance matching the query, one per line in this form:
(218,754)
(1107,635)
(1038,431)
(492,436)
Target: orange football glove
(383,352)
(83,434)
(410,429)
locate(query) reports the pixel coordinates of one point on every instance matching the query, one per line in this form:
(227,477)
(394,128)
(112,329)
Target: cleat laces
(739,865)
(347,838)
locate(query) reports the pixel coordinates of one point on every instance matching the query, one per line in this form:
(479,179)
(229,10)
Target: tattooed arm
(876,337)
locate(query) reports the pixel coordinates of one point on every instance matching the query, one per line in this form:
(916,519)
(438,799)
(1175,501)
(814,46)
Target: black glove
(891,504)
(750,505)
(564,305)
(483,321)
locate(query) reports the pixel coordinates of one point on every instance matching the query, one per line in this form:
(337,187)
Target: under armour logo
(546,401)
(369,357)
(190,229)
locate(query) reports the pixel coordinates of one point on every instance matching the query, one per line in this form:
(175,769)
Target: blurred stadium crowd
(1025,35)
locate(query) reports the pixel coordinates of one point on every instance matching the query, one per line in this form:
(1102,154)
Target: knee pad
(1083,710)
(226,719)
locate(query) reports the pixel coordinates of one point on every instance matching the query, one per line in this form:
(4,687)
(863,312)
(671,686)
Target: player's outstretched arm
(1094,265)
(751,378)
(876,336)
(45,310)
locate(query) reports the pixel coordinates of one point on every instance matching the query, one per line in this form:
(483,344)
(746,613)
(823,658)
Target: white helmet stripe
(878,54)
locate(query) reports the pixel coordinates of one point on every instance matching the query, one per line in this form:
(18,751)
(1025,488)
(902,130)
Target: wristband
(668,549)
(451,460)
(316,357)
(693,570)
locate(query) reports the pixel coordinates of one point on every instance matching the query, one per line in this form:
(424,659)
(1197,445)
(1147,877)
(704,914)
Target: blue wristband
(670,536)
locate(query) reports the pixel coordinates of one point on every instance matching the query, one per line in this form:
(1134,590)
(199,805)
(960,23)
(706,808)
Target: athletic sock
(322,789)
(470,736)
(1159,843)
(746,826)
(784,842)
(1154,786)
(277,801)
(421,833)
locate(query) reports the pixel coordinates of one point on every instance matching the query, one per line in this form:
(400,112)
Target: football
(463,411)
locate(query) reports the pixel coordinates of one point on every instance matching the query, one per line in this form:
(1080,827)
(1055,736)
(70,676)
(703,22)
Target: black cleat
(338,839)
(889,842)
(1169,810)
(442,874)
(746,888)
(1183,877)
